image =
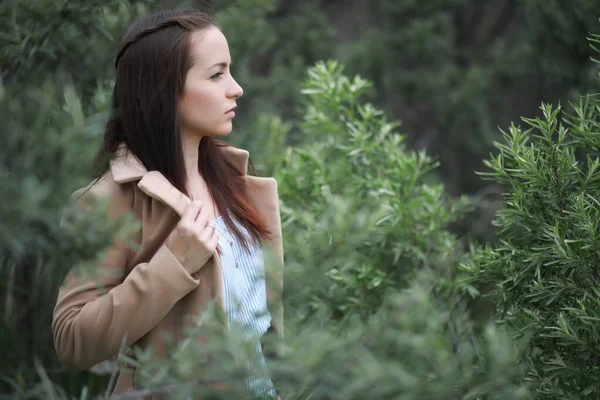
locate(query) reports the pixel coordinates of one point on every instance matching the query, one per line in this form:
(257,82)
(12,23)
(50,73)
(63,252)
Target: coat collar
(126,167)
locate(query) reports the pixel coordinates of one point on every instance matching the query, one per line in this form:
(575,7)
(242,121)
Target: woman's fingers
(191,212)
(202,219)
(213,241)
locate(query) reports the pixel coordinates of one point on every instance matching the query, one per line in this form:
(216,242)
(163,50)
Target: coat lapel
(155,185)
(263,194)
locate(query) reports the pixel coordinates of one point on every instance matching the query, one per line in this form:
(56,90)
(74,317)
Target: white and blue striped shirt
(245,297)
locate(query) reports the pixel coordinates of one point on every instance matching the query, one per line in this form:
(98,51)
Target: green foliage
(46,40)
(46,114)
(405,350)
(37,177)
(361,197)
(544,276)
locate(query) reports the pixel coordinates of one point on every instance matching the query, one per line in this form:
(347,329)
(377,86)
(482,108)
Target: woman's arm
(93,317)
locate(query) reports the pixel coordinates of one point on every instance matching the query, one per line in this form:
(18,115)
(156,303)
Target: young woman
(203,218)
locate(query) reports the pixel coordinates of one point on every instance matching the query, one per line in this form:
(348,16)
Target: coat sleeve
(94,316)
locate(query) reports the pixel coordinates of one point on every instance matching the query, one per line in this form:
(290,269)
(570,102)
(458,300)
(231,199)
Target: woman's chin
(221,131)
(225,131)
(222,134)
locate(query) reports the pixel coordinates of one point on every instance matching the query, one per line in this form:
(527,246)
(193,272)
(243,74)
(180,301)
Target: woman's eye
(216,76)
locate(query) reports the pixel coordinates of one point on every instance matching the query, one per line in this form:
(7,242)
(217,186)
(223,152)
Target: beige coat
(149,292)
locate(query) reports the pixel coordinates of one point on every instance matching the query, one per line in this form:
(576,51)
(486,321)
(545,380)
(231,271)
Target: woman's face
(210,92)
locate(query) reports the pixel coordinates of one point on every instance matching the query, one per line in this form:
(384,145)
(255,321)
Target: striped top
(245,295)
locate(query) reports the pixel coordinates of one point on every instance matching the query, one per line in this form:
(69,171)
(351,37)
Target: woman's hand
(194,240)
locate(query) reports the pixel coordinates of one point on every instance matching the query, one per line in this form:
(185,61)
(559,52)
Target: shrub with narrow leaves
(544,275)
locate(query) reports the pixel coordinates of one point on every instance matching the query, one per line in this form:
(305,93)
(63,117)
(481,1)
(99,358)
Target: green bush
(544,276)
(356,204)
(53,95)
(43,158)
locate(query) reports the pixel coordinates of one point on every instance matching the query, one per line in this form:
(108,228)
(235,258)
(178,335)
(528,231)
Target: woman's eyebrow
(219,64)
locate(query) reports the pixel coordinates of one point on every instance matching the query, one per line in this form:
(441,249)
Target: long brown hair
(151,66)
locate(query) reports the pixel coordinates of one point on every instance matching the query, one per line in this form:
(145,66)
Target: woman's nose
(236,90)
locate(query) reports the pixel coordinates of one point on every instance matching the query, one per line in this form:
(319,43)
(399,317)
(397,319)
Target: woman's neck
(196,186)
(190,156)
